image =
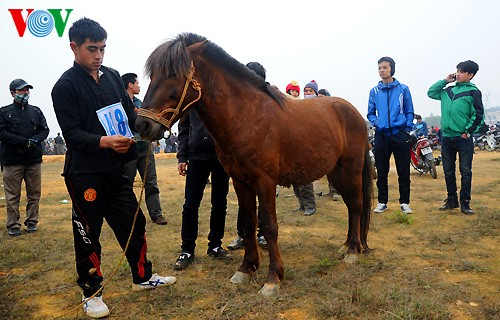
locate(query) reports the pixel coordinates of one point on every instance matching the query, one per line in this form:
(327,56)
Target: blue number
(122,128)
(110,124)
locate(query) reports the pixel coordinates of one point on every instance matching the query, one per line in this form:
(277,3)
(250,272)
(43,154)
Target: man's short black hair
(257,68)
(86,28)
(468,66)
(391,63)
(128,78)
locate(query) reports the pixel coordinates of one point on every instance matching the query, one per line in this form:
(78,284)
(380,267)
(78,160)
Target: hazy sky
(336,43)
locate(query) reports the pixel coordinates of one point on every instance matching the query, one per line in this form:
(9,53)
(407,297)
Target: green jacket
(462,109)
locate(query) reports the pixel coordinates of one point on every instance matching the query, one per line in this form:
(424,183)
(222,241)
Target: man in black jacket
(197,159)
(95,115)
(22,129)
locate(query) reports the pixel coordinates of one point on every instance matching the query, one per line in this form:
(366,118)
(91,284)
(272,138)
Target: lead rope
(126,246)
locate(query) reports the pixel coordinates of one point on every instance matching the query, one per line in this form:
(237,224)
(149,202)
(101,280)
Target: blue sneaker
(381,207)
(154,282)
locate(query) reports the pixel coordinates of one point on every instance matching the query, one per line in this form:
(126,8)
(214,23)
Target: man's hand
(450,78)
(118,143)
(182,167)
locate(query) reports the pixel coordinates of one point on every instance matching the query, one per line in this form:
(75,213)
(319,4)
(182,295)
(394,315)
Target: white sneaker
(153,282)
(95,307)
(381,207)
(406,208)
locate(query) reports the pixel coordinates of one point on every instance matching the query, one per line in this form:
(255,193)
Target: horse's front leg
(267,209)
(248,218)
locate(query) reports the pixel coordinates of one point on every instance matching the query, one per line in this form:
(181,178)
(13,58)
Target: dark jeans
(465,150)
(151,190)
(196,180)
(399,145)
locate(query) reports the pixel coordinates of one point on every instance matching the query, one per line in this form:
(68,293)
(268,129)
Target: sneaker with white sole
(406,208)
(95,307)
(381,207)
(154,282)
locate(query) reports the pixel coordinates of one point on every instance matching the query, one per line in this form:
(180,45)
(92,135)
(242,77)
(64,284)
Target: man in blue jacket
(390,111)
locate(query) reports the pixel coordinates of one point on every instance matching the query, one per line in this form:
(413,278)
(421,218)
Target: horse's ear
(197,48)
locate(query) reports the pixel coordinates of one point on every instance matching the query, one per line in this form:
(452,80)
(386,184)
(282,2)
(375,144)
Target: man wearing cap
(22,129)
(305,193)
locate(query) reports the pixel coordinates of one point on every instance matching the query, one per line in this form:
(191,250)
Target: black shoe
(465,207)
(185,260)
(31,228)
(14,232)
(262,242)
(309,212)
(237,244)
(218,252)
(450,204)
(160,220)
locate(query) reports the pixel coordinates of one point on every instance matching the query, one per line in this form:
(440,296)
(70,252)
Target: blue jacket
(390,108)
(420,129)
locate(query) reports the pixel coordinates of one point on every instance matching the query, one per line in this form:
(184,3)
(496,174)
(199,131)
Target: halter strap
(168,122)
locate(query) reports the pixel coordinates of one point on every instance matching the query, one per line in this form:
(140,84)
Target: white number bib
(114,120)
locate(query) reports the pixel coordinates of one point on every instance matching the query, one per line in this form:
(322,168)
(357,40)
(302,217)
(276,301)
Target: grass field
(428,265)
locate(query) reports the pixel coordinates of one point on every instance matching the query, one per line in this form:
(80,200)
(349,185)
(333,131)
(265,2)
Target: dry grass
(442,265)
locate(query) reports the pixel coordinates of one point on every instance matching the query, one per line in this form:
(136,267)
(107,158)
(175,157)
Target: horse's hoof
(351,258)
(240,277)
(270,289)
(343,249)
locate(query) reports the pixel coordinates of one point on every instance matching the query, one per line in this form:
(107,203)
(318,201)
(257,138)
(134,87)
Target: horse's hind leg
(248,217)
(347,180)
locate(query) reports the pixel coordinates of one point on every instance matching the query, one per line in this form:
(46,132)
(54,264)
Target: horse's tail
(367,186)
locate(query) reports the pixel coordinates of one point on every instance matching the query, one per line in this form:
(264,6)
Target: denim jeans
(465,150)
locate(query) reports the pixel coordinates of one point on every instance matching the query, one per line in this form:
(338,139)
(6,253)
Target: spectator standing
(59,144)
(84,96)
(390,111)
(305,193)
(293,90)
(197,160)
(323,93)
(462,114)
(332,191)
(22,129)
(146,154)
(239,242)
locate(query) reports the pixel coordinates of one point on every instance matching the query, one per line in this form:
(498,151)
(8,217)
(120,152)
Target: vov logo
(40,23)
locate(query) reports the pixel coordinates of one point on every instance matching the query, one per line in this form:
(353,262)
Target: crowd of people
(102,160)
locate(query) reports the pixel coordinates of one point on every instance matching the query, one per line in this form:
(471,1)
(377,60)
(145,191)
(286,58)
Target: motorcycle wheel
(489,144)
(432,168)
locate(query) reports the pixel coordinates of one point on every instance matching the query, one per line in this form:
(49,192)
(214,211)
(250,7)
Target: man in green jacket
(462,114)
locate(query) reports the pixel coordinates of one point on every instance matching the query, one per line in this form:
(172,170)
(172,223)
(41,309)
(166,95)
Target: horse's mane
(172,58)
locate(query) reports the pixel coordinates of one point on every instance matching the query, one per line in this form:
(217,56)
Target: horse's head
(172,90)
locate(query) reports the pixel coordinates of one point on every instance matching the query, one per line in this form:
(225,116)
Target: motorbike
(492,138)
(421,157)
(371,141)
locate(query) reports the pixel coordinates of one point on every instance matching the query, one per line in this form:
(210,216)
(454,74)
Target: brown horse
(262,139)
